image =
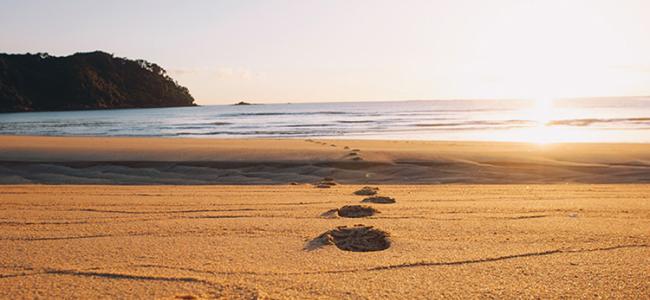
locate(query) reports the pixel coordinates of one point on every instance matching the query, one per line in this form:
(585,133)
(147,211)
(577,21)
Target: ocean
(571,120)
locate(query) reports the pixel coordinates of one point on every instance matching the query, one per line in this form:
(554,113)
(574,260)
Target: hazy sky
(280,51)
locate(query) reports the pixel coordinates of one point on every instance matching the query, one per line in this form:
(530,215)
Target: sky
(315,51)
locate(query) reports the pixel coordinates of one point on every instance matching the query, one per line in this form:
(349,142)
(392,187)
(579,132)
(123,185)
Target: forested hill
(95,80)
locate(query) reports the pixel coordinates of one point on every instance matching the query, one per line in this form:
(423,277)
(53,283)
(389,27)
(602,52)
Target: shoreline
(325,138)
(188,161)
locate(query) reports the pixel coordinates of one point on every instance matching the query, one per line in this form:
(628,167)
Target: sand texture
(273,242)
(94,160)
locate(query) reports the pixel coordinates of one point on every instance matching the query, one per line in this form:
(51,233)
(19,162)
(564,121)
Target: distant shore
(106,160)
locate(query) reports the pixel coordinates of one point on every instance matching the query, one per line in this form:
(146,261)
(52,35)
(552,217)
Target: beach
(325,150)
(231,242)
(99,217)
(187,161)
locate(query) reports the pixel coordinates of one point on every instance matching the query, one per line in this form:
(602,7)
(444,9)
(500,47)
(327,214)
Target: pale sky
(302,51)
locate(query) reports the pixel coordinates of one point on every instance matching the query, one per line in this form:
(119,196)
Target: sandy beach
(110,160)
(469,241)
(325,149)
(87,217)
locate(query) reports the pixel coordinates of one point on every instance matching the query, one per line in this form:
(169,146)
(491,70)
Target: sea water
(573,120)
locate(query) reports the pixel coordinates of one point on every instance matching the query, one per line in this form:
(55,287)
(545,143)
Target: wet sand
(138,161)
(512,241)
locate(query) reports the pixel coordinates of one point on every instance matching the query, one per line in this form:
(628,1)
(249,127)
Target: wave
(309,125)
(195,126)
(180,127)
(287,113)
(478,128)
(355,121)
(258,133)
(58,124)
(589,122)
(450,110)
(433,120)
(474,123)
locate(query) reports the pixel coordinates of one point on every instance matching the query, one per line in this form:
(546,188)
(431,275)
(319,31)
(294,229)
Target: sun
(540,112)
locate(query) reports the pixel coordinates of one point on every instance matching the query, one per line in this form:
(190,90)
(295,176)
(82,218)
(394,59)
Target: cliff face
(96,80)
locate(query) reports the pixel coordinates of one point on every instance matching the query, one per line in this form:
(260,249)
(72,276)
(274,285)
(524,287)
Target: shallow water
(579,120)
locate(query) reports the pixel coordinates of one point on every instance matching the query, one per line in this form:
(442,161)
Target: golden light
(542,111)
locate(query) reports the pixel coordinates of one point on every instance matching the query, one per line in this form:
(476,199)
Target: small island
(95,80)
(242,103)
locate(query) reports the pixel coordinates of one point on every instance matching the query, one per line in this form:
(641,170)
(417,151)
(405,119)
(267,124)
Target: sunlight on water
(553,123)
(541,113)
(544,120)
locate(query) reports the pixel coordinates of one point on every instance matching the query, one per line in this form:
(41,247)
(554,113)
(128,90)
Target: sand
(157,218)
(139,161)
(451,241)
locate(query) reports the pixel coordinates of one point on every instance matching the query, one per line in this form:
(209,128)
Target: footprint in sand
(379,199)
(367,191)
(350,211)
(328,180)
(330,214)
(356,211)
(354,154)
(325,183)
(358,238)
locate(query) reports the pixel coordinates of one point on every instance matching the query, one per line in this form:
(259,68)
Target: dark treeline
(95,80)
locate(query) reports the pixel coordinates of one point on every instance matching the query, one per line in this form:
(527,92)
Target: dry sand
(83,160)
(451,241)
(201,240)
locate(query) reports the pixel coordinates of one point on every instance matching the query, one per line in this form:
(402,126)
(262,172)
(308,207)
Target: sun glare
(541,112)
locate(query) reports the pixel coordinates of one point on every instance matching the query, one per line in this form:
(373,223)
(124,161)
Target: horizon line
(415,100)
